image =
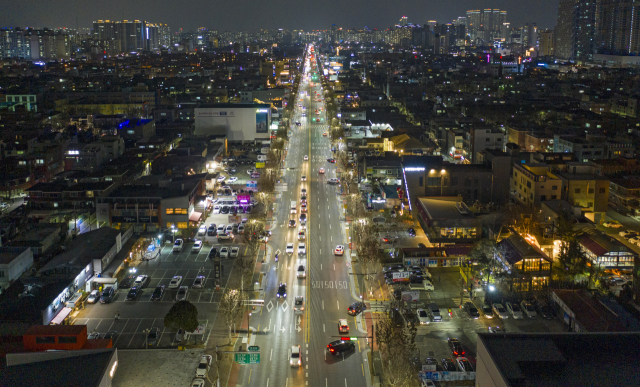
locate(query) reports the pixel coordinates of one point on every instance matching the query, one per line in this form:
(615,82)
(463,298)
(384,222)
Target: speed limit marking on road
(347,264)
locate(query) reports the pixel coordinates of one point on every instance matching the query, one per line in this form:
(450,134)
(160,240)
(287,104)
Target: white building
(13,262)
(238,122)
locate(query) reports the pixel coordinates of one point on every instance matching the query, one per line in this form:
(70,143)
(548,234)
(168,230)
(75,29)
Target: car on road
(321,171)
(175,282)
(356,308)
(464,364)
(295,356)
(289,249)
(303,178)
(292,222)
(197,246)
(157,293)
(455,346)
(177,245)
(198,283)
(204,366)
(282,291)
(152,336)
(500,311)
(324,134)
(514,310)
(306,157)
(303,207)
(303,191)
(302,248)
(224,252)
(339,250)
(471,310)
(487,311)
(332,161)
(333,180)
(94,296)
(423,317)
(134,293)
(496,330)
(234,252)
(528,309)
(302,273)
(182,293)
(301,235)
(343,326)
(232,179)
(339,346)
(202,230)
(298,305)
(107,295)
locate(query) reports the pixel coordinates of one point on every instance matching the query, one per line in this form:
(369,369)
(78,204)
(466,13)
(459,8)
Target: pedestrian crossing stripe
(457,301)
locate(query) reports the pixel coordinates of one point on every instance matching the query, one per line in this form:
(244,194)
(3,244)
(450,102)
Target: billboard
(261,120)
(409,296)
(260,165)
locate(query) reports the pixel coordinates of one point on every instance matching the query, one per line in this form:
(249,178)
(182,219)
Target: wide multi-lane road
(327,288)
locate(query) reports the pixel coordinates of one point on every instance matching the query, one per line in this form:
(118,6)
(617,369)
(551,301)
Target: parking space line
(125,325)
(134,333)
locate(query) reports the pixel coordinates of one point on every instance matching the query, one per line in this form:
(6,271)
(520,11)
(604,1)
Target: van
(294,206)
(434,311)
(424,285)
(262,157)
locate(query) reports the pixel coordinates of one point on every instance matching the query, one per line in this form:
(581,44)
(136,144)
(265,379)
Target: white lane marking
(329,226)
(320,238)
(320,266)
(338,302)
(270,356)
(268,378)
(323,328)
(322,304)
(334,266)
(331,238)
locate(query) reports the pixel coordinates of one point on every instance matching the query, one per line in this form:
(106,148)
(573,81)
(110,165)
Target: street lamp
(173,232)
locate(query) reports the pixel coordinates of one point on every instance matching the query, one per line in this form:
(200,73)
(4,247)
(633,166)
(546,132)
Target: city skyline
(355,15)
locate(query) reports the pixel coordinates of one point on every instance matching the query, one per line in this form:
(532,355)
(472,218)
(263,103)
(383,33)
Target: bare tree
(396,341)
(231,307)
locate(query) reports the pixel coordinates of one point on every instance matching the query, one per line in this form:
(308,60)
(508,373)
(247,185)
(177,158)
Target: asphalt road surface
(326,288)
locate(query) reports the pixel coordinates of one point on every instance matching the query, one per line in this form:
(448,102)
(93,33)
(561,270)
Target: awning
(195,216)
(61,316)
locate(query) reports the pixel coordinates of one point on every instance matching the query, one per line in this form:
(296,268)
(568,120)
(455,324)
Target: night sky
(237,15)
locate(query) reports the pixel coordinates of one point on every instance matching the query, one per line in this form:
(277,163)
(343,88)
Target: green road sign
(247,358)
(254,348)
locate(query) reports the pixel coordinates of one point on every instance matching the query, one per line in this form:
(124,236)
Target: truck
(425,285)
(294,206)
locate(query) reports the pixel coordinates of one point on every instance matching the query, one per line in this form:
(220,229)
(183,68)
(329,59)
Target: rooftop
(446,208)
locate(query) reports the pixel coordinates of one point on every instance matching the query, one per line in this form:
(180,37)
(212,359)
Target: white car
(304,178)
(140,281)
(624,233)
(500,311)
(182,293)
(203,366)
(295,359)
(514,310)
(216,209)
(423,316)
(612,224)
(306,157)
(241,229)
(339,250)
(301,235)
(232,179)
(302,248)
(197,383)
(298,306)
(289,249)
(197,246)
(221,228)
(333,180)
(202,230)
(234,252)
(224,252)
(175,282)
(302,273)
(321,171)
(251,172)
(229,228)
(94,296)
(177,246)
(528,309)
(221,179)
(198,282)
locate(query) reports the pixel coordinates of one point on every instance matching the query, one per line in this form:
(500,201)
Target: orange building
(61,337)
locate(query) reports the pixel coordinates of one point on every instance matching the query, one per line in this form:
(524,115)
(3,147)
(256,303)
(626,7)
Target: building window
(89,194)
(45,339)
(433,181)
(554,197)
(67,339)
(454,181)
(577,190)
(421,181)
(1,273)
(602,190)
(590,204)
(554,187)
(181,211)
(169,211)
(592,190)
(183,224)
(528,184)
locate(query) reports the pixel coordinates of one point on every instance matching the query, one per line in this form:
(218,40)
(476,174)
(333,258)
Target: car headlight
(285,294)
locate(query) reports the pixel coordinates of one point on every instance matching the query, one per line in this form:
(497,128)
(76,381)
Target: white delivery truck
(294,206)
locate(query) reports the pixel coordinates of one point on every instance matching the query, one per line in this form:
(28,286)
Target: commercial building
(529,266)
(557,359)
(447,220)
(607,252)
(239,122)
(532,184)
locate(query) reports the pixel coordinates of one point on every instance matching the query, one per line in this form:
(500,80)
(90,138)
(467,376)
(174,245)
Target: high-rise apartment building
(33,44)
(485,25)
(14,43)
(403,21)
(618,27)
(131,36)
(575,31)
(546,43)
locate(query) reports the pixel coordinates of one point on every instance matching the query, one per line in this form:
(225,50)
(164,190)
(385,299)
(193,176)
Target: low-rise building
(14,261)
(532,184)
(447,220)
(530,267)
(606,251)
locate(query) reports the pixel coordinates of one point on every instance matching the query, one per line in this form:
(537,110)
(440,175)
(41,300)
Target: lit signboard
(419,169)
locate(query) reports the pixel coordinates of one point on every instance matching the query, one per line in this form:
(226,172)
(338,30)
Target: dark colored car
(152,337)
(212,230)
(411,232)
(134,293)
(339,346)
(157,293)
(416,279)
(214,252)
(545,310)
(448,365)
(356,308)
(282,291)
(225,209)
(456,347)
(113,335)
(471,310)
(107,295)
(331,161)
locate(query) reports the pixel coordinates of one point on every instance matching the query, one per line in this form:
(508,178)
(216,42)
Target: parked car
(157,293)
(448,365)
(197,246)
(93,297)
(204,366)
(471,310)
(464,364)
(234,252)
(141,280)
(182,293)
(134,293)
(177,245)
(514,310)
(528,309)
(108,295)
(456,347)
(175,282)
(202,230)
(500,311)
(423,317)
(152,336)
(211,231)
(224,252)
(198,283)
(487,311)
